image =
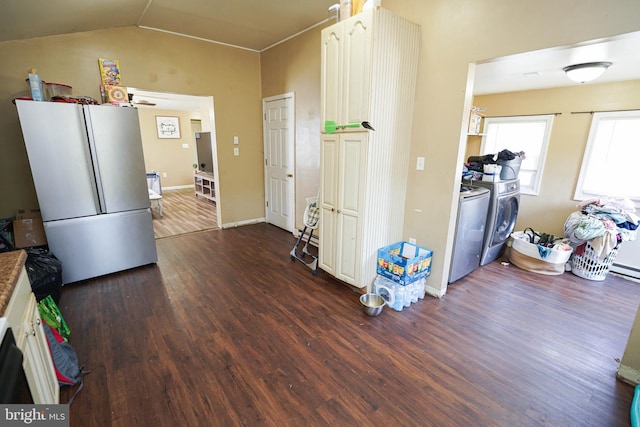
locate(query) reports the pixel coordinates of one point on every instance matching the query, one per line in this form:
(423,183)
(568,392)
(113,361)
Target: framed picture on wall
(168,127)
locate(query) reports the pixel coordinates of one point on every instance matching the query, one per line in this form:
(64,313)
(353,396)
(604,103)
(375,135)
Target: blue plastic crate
(404,263)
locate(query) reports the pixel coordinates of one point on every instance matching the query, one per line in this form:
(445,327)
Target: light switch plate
(420,164)
(235,140)
(236,151)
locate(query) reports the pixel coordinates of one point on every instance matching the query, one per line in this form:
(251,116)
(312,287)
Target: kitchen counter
(10,267)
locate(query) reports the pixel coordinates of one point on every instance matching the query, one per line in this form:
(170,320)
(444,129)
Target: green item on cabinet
(330,126)
(351,125)
(50,313)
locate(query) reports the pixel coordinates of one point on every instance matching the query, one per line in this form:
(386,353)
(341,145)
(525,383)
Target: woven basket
(589,266)
(527,256)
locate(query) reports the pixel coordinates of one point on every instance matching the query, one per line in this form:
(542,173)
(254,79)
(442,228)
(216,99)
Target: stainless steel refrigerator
(88,169)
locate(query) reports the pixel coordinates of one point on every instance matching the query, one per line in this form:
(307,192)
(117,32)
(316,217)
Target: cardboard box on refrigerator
(28,229)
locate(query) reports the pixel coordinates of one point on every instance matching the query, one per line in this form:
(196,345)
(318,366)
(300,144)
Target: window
(520,133)
(609,167)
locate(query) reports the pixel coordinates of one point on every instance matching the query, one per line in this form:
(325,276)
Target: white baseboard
(438,293)
(241,223)
(177,187)
(628,374)
(625,270)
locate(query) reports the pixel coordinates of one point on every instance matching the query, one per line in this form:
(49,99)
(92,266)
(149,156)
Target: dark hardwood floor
(183,212)
(226,330)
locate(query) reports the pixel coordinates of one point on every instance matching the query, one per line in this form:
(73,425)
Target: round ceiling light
(582,73)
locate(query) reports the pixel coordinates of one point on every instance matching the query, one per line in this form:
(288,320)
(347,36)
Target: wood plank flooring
(183,212)
(226,330)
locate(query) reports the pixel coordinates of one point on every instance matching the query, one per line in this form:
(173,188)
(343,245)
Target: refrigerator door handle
(94,159)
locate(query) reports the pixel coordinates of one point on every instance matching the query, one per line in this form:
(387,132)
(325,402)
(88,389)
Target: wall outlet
(412,240)
(185,145)
(236,151)
(164,174)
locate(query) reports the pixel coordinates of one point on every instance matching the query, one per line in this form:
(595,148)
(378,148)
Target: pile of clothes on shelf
(475,167)
(604,223)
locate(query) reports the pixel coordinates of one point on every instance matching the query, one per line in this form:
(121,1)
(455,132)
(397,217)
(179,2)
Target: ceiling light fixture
(582,73)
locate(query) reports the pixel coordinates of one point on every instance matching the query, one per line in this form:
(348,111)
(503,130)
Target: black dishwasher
(13,381)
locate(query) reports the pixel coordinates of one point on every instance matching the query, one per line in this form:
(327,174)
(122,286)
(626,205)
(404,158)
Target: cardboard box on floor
(28,229)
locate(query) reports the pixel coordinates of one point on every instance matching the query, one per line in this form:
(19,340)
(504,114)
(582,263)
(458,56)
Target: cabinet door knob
(289,175)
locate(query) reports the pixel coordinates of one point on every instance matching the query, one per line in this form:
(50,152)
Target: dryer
(471,224)
(504,201)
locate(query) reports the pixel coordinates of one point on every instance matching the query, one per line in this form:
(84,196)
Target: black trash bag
(45,273)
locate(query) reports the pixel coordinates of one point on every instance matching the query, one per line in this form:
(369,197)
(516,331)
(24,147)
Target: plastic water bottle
(407,295)
(385,288)
(400,297)
(413,291)
(35,85)
(421,288)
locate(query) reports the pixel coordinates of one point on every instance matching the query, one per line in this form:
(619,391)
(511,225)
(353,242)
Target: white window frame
(547,119)
(581,194)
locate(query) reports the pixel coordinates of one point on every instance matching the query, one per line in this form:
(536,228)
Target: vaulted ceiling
(250,24)
(257,25)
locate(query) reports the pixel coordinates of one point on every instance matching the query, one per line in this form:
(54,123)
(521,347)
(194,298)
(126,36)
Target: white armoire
(369,67)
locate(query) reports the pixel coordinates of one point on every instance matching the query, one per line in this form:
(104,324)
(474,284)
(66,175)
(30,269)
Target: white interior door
(278,116)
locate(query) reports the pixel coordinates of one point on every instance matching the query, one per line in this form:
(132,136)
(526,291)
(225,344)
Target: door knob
(289,175)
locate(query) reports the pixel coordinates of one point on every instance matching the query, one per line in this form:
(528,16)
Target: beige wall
(168,156)
(548,211)
(294,66)
(456,33)
(152,61)
(629,369)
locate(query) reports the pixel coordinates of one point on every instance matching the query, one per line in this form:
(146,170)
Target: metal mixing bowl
(372,304)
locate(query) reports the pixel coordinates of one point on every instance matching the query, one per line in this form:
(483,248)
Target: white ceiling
(257,25)
(543,68)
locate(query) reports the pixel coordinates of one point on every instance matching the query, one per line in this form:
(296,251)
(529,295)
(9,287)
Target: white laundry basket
(590,266)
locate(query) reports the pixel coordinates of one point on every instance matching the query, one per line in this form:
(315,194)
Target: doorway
(176,160)
(279,141)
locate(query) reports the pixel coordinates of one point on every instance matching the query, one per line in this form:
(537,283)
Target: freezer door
(102,244)
(115,140)
(56,140)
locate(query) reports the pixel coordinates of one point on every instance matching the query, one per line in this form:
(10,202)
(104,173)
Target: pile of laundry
(475,166)
(604,223)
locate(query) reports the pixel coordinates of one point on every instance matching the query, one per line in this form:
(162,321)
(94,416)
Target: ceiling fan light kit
(582,73)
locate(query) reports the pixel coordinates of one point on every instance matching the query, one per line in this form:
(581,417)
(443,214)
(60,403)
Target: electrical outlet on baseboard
(412,240)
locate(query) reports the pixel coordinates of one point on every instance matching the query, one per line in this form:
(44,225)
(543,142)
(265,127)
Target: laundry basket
(153,182)
(590,266)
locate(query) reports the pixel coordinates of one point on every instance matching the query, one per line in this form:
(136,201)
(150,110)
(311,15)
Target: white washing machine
(504,202)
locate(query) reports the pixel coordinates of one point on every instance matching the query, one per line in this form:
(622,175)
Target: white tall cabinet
(369,67)
(343,157)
